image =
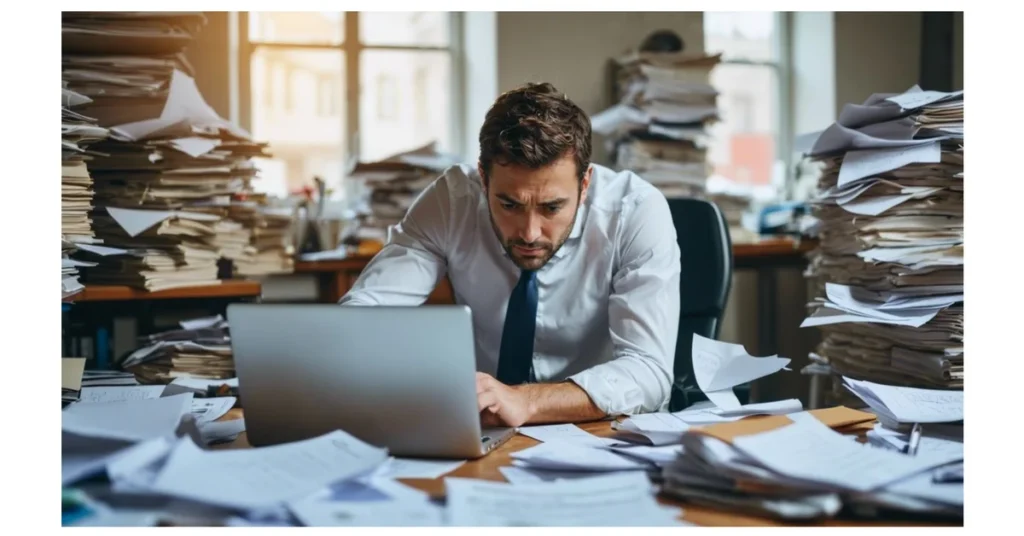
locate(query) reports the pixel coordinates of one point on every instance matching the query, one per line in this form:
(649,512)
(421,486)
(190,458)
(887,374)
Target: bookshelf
(226,289)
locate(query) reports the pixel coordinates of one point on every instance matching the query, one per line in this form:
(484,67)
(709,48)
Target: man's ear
(480,171)
(585,183)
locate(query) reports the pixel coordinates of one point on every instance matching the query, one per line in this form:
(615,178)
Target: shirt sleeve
(413,261)
(643,316)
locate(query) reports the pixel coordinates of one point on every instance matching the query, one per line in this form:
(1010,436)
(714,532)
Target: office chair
(704,284)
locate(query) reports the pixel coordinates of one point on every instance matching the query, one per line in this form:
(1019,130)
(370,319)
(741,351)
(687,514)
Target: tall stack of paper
(170,167)
(77,132)
(201,348)
(890,264)
(392,185)
(657,129)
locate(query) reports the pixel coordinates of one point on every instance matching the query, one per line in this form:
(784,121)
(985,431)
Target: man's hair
(533,126)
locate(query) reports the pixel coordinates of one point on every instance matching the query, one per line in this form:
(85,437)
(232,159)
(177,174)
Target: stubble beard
(532,263)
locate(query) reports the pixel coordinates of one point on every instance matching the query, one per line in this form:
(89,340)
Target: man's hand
(500,404)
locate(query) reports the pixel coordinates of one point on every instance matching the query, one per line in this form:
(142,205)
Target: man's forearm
(559,402)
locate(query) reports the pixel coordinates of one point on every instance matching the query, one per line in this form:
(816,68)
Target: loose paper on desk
(908,404)
(566,456)
(416,468)
(517,474)
(221,431)
(120,393)
(568,433)
(720,366)
(137,420)
(208,410)
(367,502)
(265,476)
(810,451)
(614,500)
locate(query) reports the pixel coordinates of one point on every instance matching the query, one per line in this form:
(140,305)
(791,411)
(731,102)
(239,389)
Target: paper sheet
(569,433)
(566,456)
(132,393)
(518,474)
(138,420)
(808,450)
(416,468)
(658,428)
(720,366)
(208,410)
(195,146)
(908,404)
(865,163)
(922,487)
(367,502)
(266,476)
(221,431)
(614,500)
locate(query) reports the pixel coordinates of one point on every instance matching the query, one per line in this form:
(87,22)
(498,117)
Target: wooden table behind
(487,468)
(337,277)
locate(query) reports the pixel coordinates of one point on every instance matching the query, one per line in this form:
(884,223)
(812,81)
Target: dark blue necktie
(516,355)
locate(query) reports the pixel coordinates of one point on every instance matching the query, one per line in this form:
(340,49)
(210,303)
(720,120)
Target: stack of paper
(897,406)
(271,248)
(890,264)
(78,133)
(200,349)
(799,467)
(69,284)
(658,127)
(170,165)
(391,185)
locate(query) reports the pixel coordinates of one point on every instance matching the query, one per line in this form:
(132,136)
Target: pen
(915,439)
(946,475)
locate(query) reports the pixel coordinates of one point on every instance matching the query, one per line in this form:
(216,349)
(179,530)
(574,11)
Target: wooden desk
(231,288)
(337,277)
(486,468)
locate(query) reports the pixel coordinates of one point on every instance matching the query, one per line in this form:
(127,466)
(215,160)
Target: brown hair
(533,126)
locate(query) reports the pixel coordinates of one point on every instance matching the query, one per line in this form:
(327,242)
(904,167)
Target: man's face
(533,210)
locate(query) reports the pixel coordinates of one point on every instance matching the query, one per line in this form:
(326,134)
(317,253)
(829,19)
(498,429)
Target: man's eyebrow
(556,202)
(507,199)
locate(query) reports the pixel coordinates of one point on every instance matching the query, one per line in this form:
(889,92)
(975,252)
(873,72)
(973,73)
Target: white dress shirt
(608,300)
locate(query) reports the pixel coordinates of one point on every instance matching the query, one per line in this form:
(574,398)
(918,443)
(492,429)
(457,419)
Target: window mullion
(352,49)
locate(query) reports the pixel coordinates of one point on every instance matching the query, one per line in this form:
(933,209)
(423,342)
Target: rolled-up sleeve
(412,263)
(643,315)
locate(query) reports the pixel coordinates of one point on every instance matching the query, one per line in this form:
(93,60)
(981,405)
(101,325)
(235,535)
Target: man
(571,270)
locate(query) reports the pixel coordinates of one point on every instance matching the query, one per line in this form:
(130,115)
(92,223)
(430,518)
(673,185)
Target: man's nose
(530,230)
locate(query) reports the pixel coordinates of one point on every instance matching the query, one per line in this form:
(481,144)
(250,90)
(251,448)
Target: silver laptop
(397,377)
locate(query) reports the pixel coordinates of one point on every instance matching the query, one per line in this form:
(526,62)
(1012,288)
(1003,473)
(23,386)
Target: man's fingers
(490,419)
(486,399)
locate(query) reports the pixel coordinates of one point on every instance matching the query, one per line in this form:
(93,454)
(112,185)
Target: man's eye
(552,209)
(508,206)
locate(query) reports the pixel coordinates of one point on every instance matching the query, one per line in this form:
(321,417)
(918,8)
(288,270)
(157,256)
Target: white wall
(876,52)
(572,50)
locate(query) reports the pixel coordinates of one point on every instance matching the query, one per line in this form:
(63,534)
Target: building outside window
(750,145)
(326,88)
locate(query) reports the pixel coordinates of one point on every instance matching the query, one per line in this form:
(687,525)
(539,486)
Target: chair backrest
(704,284)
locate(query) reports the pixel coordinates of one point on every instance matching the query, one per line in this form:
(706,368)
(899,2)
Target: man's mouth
(528,251)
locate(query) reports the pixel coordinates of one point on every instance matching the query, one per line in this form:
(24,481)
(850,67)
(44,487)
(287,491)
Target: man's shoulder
(461,180)
(617,191)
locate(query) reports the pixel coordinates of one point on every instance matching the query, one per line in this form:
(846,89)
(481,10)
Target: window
(387,98)
(749,144)
(328,87)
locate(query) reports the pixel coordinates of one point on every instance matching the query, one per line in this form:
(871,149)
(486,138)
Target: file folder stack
(889,268)
(200,348)
(170,168)
(658,127)
(391,185)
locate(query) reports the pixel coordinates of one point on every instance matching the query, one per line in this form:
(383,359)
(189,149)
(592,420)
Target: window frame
(782,66)
(351,49)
